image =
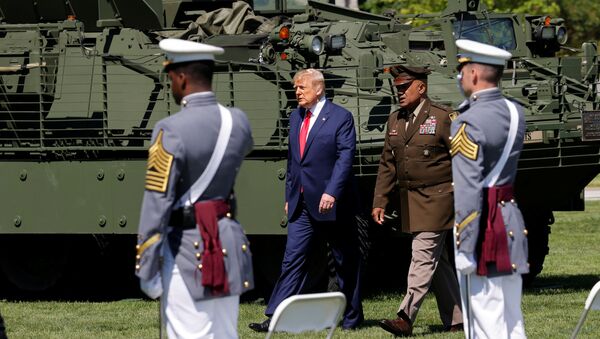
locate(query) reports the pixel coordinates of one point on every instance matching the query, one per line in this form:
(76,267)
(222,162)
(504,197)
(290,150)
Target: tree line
(582,16)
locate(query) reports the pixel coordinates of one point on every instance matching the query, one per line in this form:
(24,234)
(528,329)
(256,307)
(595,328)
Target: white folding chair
(592,302)
(308,312)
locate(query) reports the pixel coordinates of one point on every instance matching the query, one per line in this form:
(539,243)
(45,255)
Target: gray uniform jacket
(181,148)
(478,138)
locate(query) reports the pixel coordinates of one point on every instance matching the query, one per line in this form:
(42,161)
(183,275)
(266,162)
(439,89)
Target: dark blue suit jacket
(327,163)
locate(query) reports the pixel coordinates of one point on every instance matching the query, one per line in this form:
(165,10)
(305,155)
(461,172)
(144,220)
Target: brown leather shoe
(455,328)
(398,326)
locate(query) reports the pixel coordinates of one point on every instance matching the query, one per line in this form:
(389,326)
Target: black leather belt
(183,218)
(415,184)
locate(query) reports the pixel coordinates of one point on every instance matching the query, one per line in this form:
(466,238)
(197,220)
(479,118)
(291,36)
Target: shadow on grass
(562,283)
(432,329)
(368,323)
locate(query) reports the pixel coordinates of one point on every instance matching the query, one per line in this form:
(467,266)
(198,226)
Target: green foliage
(582,17)
(541,7)
(546,7)
(583,20)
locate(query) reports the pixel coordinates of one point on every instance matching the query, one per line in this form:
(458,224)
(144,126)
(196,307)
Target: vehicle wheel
(538,227)
(33,263)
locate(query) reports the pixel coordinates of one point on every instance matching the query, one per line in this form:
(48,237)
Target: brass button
(138,257)
(196,244)
(137,247)
(228,215)
(137,267)
(512,200)
(502,202)
(200,266)
(514,266)
(224,252)
(511,234)
(457,234)
(246,284)
(198,256)
(525,231)
(244,247)
(449,138)
(457,242)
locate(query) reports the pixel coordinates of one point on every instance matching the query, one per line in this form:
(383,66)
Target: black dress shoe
(260,327)
(455,328)
(398,326)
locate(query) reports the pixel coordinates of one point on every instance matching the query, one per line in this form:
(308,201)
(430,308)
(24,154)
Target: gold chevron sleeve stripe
(159,166)
(462,144)
(466,221)
(151,241)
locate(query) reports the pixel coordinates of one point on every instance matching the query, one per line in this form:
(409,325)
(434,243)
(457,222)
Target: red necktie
(304,132)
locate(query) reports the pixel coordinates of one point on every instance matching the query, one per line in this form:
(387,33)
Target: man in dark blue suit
(319,196)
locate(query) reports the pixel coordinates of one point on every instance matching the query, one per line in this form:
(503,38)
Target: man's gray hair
(316,76)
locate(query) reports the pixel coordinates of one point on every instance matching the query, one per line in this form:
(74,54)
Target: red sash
(494,249)
(213,265)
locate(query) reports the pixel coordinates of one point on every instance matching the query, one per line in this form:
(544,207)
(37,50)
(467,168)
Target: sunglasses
(403,87)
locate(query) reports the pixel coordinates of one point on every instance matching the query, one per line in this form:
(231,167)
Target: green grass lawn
(551,307)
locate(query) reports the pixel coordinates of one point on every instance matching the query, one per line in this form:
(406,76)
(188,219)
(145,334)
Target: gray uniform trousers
(430,266)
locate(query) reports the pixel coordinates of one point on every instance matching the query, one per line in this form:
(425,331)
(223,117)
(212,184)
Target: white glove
(465,263)
(153,287)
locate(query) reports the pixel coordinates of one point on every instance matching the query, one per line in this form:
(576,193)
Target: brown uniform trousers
(418,160)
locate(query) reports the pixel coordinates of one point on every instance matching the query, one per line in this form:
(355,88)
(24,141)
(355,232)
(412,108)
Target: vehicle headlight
(336,42)
(316,45)
(548,33)
(561,35)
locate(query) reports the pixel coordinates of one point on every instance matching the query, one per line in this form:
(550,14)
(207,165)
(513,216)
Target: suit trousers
(186,318)
(495,306)
(430,267)
(342,238)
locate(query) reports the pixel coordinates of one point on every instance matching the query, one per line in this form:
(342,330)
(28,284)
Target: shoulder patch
(441,106)
(453,115)
(462,144)
(159,166)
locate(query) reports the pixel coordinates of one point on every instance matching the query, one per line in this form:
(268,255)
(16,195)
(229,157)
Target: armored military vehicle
(81,87)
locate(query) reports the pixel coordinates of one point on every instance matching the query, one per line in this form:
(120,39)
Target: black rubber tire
(33,262)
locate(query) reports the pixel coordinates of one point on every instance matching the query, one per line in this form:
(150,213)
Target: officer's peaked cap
(409,72)
(477,52)
(178,51)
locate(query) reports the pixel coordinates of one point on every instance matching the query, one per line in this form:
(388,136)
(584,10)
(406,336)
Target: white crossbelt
(492,177)
(488,181)
(198,188)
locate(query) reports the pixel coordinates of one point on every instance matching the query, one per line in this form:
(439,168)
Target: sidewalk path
(592,193)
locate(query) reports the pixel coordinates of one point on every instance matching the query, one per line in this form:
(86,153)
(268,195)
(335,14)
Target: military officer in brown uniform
(416,157)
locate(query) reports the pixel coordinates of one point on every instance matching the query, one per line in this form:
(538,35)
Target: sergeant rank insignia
(159,166)
(453,115)
(462,144)
(428,127)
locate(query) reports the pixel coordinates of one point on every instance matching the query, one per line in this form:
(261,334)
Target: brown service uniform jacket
(419,161)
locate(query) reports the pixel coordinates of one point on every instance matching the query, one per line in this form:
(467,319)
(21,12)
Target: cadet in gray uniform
(491,242)
(188,242)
